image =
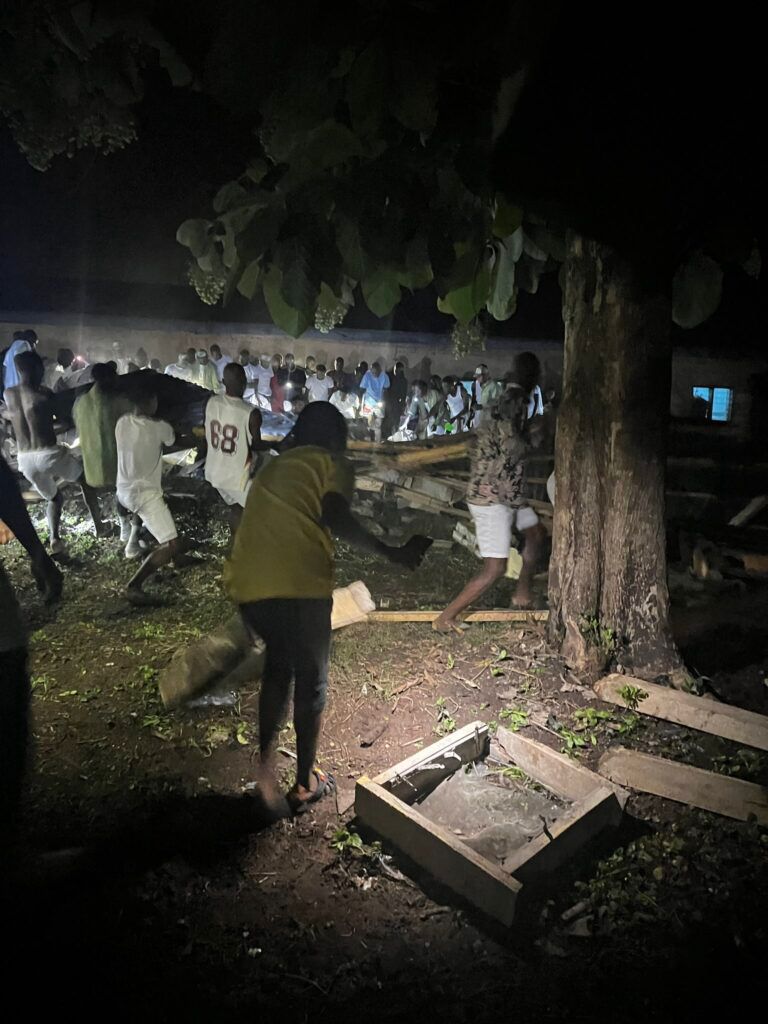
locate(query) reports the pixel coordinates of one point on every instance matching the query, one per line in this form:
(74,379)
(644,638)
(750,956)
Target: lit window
(713,404)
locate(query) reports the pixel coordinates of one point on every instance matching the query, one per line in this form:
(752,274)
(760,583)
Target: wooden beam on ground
(749,511)
(579,825)
(733,798)
(492,615)
(706,715)
(556,771)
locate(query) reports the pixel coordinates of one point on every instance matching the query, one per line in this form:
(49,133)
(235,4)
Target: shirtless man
(41,459)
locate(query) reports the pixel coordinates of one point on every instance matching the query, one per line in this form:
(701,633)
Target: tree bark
(608,578)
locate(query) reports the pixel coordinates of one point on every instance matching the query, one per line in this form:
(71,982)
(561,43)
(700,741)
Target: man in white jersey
(232,427)
(140,440)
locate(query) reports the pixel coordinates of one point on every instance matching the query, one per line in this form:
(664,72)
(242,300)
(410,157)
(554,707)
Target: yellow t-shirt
(281,549)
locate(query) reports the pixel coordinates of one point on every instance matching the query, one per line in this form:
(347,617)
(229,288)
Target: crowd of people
(296,492)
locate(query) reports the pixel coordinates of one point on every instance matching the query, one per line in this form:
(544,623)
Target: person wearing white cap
(485,393)
(204,372)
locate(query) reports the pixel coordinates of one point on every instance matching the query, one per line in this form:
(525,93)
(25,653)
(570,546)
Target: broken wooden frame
(385,805)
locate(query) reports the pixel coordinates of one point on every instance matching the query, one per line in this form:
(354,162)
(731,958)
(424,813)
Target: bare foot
(442,625)
(270,791)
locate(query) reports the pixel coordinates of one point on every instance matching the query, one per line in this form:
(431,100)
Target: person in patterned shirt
(495,495)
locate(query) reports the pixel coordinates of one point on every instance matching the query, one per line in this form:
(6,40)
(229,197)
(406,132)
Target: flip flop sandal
(325,785)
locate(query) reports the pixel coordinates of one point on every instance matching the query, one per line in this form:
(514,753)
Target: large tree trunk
(608,584)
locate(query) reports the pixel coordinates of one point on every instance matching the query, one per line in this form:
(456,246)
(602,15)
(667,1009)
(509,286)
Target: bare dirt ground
(185,907)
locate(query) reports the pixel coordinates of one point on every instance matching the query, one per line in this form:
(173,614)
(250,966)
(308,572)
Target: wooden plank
(399,447)
(559,773)
(410,778)
(569,833)
(749,511)
(710,716)
(438,852)
(413,498)
(491,615)
(733,798)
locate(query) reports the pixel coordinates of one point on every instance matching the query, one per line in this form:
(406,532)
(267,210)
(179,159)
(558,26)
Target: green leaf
(413,99)
(367,88)
(696,290)
(261,232)
(249,279)
(502,300)
(507,217)
(256,170)
(292,321)
(330,144)
(194,234)
(229,195)
(417,272)
(351,248)
(300,286)
(381,291)
(548,243)
(465,302)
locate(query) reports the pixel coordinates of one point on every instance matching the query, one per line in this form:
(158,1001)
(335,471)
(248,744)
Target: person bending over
(140,439)
(30,408)
(232,428)
(285,588)
(96,414)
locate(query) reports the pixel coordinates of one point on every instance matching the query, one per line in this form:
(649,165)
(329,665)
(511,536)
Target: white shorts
(43,467)
(372,409)
(233,497)
(151,508)
(493,527)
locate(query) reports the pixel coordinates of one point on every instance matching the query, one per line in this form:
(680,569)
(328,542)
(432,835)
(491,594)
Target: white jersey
(228,434)
(140,441)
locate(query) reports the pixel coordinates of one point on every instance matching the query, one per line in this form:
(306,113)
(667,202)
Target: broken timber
(564,776)
(413,453)
(710,716)
(491,615)
(733,798)
(750,511)
(385,805)
(409,496)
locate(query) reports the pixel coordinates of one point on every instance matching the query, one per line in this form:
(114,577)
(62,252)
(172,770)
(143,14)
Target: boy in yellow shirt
(280,572)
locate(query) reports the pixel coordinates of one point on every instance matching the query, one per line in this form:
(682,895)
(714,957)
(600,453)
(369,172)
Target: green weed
(446,723)
(514,718)
(632,696)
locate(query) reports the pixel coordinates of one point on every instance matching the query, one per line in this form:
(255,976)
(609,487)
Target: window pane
(721,404)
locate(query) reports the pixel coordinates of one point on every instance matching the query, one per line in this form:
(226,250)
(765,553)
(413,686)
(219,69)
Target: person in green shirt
(280,573)
(96,414)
